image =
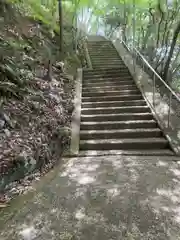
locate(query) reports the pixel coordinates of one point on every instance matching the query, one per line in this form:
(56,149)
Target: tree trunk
(60,25)
(167,64)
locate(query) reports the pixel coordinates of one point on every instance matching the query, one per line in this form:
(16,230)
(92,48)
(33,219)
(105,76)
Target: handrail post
(134,35)
(169,110)
(154,88)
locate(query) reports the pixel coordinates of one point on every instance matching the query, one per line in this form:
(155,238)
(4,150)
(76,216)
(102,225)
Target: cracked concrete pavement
(110,197)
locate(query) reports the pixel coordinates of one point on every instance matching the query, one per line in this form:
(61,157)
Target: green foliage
(43,11)
(156,24)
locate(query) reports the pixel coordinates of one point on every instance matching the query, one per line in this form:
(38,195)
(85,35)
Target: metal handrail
(152,69)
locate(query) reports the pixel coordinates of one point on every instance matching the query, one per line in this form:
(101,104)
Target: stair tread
(115,102)
(114,81)
(95,98)
(111,92)
(110,88)
(114,96)
(104,108)
(129,85)
(116,122)
(148,152)
(106,74)
(116,114)
(125,140)
(107,58)
(128,130)
(106,77)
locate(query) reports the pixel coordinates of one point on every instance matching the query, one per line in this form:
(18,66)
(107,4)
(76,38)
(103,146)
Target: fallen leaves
(41,130)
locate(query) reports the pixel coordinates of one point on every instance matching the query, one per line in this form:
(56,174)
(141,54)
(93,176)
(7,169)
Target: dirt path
(101,198)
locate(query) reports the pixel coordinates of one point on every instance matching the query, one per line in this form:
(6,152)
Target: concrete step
(102,52)
(98,57)
(100,43)
(104,71)
(113,110)
(113,103)
(117,117)
(108,62)
(113,98)
(110,93)
(109,88)
(111,53)
(101,49)
(109,45)
(122,74)
(113,83)
(118,125)
(154,152)
(104,79)
(107,65)
(103,58)
(97,66)
(104,44)
(124,144)
(122,133)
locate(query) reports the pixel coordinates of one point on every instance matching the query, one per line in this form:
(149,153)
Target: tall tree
(167,64)
(60,25)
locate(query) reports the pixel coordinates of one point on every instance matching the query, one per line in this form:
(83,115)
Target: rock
(32,161)
(29,177)
(37,174)
(55,97)
(3,205)
(5,117)
(7,132)
(60,66)
(12,185)
(2,123)
(26,183)
(14,191)
(22,159)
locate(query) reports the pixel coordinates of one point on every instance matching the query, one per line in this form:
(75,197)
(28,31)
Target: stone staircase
(115,118)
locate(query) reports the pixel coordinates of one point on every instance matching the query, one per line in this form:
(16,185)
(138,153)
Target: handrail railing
(152,69)
(155,76)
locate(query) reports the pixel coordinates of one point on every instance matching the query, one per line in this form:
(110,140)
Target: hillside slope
(36,99)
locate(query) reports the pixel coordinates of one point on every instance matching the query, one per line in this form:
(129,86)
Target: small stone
(12,185)
(14,191)
(37,174)
(7,132)
(29,178)
(2,123)
(26,183)
(6,118)
(32,161)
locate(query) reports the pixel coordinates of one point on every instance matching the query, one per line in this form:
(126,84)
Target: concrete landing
(93,198)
